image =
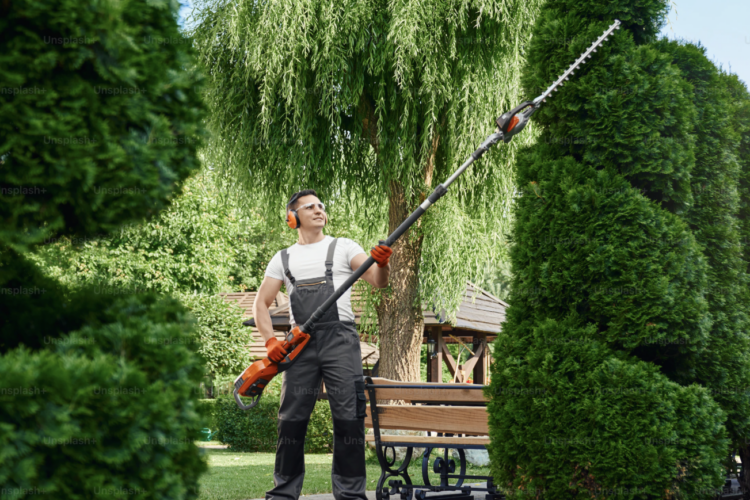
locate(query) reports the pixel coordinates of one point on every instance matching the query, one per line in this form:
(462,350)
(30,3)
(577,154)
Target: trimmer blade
(579,61)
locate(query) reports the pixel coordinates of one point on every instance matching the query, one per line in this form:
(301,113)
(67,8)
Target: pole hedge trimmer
(255,378)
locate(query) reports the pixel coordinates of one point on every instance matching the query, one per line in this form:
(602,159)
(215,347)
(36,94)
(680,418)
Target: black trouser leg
(299,391)
(341,364)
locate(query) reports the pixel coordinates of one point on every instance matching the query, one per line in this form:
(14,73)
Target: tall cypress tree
(725,366)
(99,124)
(608,303)
(739,113)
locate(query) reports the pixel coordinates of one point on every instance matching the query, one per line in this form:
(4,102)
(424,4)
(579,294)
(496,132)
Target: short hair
(296,196)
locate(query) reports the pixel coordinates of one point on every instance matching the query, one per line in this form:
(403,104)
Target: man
(312,269)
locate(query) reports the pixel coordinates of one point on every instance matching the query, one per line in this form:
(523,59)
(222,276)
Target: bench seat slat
(450,419)
(454,393)
(370,438)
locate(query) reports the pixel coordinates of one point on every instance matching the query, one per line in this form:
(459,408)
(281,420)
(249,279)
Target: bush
(209,409)
(610,312)
(108,410)
(222,339)
(255,430)
(100,118)
(573,419)
(199,244)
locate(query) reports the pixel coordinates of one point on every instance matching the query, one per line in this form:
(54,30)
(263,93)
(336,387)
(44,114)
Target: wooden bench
(456,413)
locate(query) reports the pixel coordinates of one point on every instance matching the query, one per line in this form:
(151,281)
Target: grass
(243,476)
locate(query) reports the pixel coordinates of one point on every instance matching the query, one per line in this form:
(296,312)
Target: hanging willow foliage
(351,97)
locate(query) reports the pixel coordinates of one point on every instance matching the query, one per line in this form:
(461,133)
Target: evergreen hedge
(724,367)
(108,411)
(100,117)
(600,383)
(99,113)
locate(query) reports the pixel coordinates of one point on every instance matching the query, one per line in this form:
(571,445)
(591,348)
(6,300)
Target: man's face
(310,216)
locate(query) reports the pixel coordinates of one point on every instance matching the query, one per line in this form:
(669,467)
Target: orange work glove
(381,253)
(276,351)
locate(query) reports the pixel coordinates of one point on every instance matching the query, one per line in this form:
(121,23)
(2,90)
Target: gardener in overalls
(312,269)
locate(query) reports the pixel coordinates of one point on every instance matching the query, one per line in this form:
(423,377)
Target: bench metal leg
(388,471)
(443,466)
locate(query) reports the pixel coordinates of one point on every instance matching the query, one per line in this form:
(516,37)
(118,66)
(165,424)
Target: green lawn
(242,476)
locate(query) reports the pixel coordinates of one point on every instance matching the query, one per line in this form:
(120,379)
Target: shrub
(222,339)
(199,244)
(108,410)
(100,115)
(725,366)
(209,408)
(609,312)
(572,418)
(255,430)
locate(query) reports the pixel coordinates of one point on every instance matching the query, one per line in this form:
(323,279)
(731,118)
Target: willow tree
(372,103)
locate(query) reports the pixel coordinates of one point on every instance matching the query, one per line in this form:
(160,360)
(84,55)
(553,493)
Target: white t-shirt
(309,261)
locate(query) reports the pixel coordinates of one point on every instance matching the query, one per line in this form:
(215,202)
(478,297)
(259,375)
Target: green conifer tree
(591,390)
(724,367)
(100,118)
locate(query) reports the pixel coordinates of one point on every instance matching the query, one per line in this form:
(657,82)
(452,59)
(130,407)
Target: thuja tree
(724,367)
(739,108)
(610,318)
(100,121)
(95,111)
(372,103)
(740,98)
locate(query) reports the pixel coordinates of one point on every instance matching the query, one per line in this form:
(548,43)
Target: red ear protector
(292,219)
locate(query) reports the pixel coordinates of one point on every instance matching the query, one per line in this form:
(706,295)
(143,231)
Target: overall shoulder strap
(285,263)
(329,258)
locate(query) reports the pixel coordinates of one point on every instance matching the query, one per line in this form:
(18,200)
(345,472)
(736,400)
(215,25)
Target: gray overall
(333,354)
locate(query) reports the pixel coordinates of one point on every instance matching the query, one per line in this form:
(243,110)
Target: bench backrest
(451,408)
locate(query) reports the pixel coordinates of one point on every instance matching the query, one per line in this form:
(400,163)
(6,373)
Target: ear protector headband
(292,219)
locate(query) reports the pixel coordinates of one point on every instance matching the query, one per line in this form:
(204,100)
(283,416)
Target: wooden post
(450,363)
(429,365)
(435,365)
(480,369)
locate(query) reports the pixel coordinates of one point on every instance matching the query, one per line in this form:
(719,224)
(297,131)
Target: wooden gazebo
(478,321)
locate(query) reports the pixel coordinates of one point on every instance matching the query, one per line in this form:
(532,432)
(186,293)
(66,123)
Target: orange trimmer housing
(256,377)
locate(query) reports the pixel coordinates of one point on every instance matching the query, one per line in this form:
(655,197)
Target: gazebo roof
(479,311)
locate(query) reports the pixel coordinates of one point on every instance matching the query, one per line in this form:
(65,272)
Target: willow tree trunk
(744,477)
(400,320)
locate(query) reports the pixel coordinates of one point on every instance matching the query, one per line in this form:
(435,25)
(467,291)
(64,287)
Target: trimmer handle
(256,377)
(239,401)
(294,341)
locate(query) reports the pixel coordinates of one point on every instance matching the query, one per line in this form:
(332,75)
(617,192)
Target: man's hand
(276,352)
(381,253)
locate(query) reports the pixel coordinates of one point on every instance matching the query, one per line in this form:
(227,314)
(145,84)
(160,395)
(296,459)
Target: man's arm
(266,295)
(376,276)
